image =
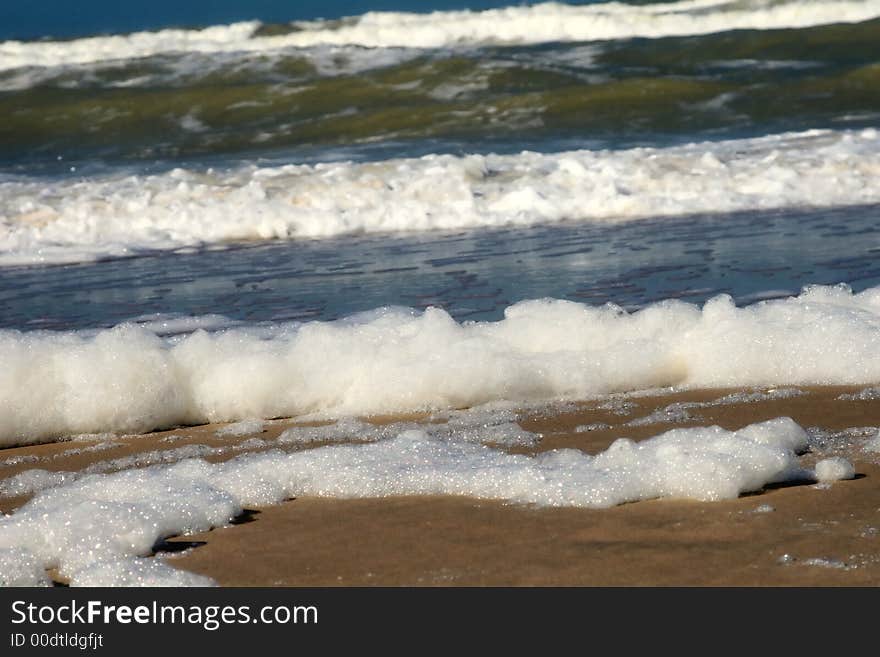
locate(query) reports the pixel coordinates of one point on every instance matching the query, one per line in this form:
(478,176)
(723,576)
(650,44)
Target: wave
(128,379)
(82,219)
(408,101)
(542,23)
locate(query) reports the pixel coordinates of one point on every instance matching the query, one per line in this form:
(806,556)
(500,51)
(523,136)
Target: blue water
(65,19)
(473,274)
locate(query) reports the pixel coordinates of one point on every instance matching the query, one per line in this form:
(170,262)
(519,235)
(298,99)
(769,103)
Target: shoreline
(831,534)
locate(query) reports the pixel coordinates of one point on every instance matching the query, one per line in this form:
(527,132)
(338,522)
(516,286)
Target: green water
(646,91)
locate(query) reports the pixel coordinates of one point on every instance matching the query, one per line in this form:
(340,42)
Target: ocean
(226,212)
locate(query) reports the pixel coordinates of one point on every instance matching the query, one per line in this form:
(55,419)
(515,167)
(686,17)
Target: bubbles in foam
(847,440)
(31,481)
(677,412)
(825,562)
(681,411)
(243,428)
(19,459)
(343,430)
(482,425)
(596,426)
(96,530)
(104,518)
(128,380)
(35,480)
(20,567)
(865,394)
(834,469)
(873,443)
(135,572)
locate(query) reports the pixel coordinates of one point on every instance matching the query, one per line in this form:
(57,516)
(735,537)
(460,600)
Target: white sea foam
(19,567)
(79,219)
(325,61)
(242,428)
(138,572)
(32,481)
(547,22)
(346,429)
(681,411)
(866,394)
(96,529)
(19,459)
(825,562)
(477,425)
(834,469)
(596,426)
(128,380)
(481,425)
(872,444)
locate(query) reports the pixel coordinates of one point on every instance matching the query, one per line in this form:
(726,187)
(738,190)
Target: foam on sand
(95,529)
(541,23)
(243,428)
(80,219)
(129,380)
(834,469)
(872,444)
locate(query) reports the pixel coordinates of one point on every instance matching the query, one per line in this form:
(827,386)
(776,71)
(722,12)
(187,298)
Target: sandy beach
(800,534)
(452,293)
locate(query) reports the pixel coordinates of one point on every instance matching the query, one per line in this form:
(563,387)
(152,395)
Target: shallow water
(471,274)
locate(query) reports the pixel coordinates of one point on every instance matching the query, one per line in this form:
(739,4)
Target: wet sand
(795,535)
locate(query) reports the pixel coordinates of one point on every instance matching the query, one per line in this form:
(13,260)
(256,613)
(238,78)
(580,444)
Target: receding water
(473,275)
